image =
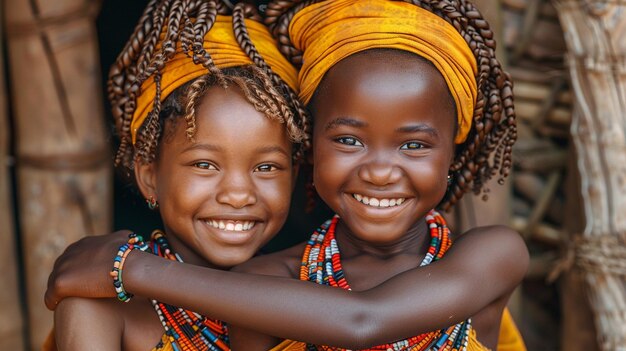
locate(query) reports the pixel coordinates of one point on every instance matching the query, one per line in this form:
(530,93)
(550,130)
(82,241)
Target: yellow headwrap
(330,31)
(221,44)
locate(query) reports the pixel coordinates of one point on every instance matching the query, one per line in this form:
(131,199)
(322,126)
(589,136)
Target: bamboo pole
(11,321)
(595,33)
(63,159)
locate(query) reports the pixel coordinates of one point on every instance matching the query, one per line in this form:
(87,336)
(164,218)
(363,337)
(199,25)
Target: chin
(227,260)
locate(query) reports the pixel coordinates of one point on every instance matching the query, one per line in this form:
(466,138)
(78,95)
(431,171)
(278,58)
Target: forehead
(383,82)
(225,116)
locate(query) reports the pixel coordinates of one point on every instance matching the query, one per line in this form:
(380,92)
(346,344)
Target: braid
(296,117)
(170,24)
(487,151)
(182,21)
(278,16)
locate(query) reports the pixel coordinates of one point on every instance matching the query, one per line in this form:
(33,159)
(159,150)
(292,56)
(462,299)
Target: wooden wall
(63,168)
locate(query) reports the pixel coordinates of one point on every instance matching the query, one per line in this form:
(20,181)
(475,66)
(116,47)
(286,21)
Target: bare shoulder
(83,323)
(283,263)
(106,324)
(498,247)
(495,236)
(72,308)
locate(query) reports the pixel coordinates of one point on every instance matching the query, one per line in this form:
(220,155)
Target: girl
(213,141)
(388,111)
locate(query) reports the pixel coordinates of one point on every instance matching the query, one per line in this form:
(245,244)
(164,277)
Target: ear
(145,175)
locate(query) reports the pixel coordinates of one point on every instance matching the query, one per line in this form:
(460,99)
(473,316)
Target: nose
(380,172)
(236,191)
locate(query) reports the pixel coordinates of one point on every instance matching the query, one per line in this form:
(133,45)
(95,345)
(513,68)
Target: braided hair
(488,147)
(185,23)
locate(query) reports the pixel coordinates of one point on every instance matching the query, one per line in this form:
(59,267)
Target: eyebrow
(208,147)
(419,128)
(345,121)
(272,149)
(262,150)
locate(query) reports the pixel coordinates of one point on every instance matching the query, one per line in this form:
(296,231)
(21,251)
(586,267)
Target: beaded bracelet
(135,242)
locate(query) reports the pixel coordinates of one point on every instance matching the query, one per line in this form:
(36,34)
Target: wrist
(135,243)
(134,270)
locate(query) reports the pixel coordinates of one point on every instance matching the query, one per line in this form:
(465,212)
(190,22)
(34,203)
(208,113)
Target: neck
(414,242)
(187,254)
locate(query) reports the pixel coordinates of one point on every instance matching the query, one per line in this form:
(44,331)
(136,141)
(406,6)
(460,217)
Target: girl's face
(382,142)
(226,194)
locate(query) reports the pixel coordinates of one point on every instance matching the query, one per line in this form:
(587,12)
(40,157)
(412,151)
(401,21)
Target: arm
(280,264)
(413,302)
(87,324)
(83,269)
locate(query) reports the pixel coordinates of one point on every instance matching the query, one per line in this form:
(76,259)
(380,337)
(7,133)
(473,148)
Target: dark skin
(381,247)
(384,122)
(238,172)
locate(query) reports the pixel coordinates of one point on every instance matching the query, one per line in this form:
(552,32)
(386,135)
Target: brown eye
(413,145)
(349,141)
(266,168)
(205,165)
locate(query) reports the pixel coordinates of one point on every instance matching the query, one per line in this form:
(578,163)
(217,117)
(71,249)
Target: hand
(83,269)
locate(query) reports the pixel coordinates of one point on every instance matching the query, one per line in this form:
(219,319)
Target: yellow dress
(510,339)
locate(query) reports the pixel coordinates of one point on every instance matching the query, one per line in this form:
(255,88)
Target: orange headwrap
(221,44)
(330,31)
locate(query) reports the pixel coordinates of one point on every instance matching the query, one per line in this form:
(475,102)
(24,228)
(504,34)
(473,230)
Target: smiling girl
(411,110)
(213,141)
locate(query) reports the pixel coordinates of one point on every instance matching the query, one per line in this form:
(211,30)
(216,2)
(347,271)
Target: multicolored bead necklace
(187,330)
(321,264)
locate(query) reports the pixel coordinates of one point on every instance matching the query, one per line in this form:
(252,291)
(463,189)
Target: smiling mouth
(230,225)
(379,202)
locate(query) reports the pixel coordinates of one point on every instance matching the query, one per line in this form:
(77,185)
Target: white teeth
(374,202)
(230,225)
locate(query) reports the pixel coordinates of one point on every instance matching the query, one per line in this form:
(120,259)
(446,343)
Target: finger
(51,299)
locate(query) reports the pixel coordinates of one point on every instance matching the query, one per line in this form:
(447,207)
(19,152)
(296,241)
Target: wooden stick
(541,206)
(11,321)
(63,158)
(546,9)
(542,232)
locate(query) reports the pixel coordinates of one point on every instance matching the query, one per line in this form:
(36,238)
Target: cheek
(276,194)
(429,177)
(182,190)
(329,165)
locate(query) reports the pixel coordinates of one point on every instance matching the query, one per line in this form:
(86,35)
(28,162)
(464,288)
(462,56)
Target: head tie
(221,44)
(330,31)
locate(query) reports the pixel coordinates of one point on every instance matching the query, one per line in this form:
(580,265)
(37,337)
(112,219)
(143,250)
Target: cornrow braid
(165,26)
(488,148)
(297,118)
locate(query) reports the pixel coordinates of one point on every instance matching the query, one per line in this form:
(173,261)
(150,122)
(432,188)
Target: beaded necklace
(321,264)
(187,330)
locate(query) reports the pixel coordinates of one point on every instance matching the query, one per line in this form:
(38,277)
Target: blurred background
(565,196)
